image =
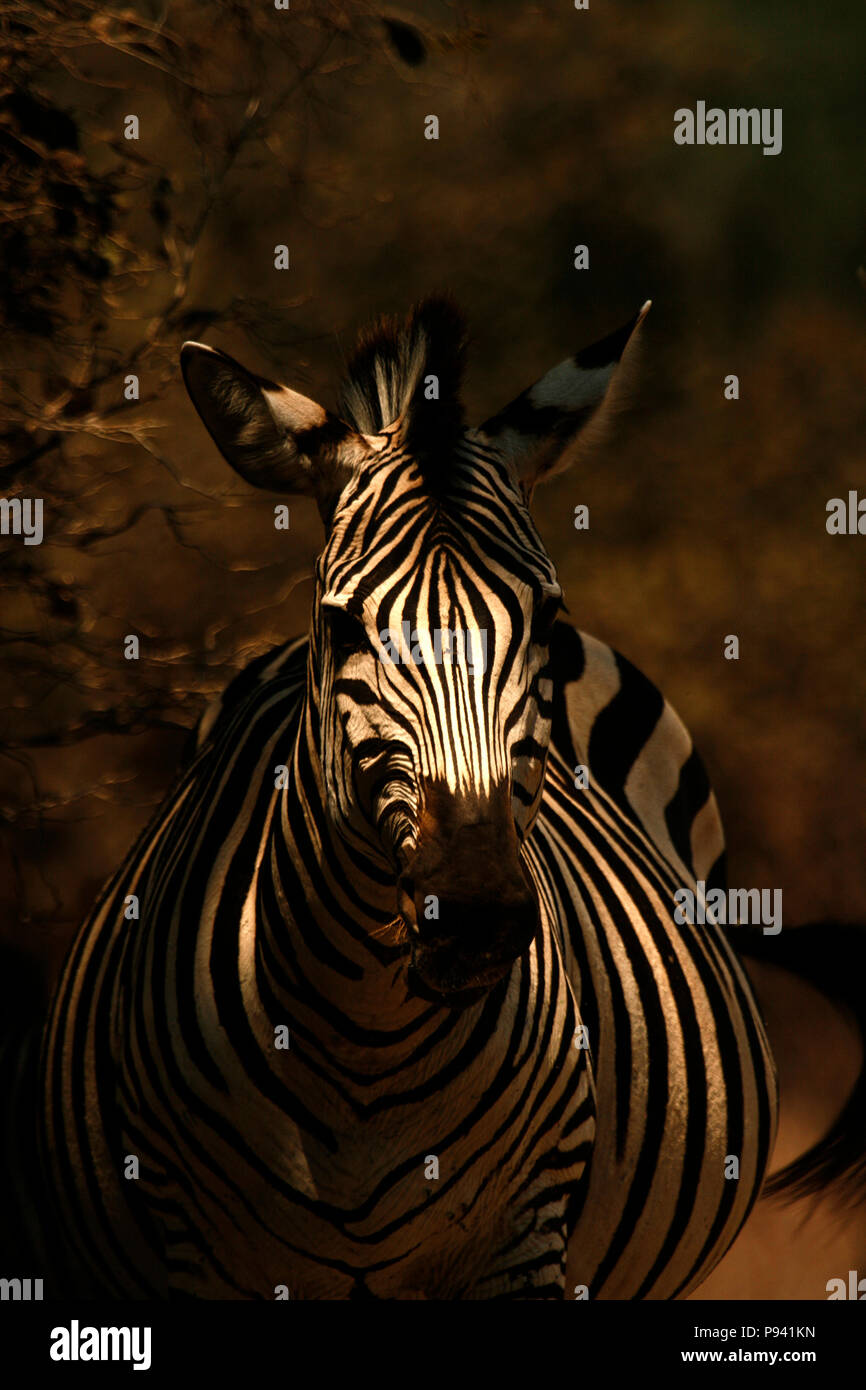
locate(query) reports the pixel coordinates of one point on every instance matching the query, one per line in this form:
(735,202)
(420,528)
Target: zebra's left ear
(275,438)
(542,430)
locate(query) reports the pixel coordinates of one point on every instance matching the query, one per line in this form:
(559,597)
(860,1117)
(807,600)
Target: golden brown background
(305,127)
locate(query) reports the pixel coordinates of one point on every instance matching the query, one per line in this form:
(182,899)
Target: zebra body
(435,1127)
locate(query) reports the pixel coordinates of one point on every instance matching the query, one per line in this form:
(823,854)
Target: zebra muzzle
(469,906)
(463,942)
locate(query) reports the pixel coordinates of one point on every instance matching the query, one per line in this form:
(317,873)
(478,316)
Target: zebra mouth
(450,996)
(446,973)
(460,967)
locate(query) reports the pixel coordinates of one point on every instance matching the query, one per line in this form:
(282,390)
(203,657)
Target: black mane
(387,374)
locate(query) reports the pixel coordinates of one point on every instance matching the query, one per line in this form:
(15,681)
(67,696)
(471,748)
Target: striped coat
(270,1068)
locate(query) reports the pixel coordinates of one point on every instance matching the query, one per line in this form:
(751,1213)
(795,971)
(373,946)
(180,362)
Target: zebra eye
(346,632)
(543,619)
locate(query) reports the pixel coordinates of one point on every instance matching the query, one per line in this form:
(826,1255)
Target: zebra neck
(329,940)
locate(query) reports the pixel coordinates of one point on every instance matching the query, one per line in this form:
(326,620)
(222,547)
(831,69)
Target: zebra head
(435,600)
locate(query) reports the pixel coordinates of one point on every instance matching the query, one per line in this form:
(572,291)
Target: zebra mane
(387,379)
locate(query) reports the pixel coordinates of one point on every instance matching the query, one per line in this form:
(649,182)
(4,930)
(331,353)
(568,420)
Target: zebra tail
(831,956)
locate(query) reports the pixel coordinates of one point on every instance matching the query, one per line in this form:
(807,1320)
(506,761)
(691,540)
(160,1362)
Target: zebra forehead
(382,541)
(457,576)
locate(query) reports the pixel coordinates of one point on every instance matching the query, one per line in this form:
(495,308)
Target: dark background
(258,127)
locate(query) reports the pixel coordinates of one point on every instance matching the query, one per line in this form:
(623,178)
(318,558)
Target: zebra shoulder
(610,718)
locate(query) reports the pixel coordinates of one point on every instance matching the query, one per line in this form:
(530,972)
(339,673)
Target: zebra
(387,1001)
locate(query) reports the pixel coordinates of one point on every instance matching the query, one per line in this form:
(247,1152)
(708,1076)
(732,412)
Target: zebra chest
(683,1075)
(431,1173)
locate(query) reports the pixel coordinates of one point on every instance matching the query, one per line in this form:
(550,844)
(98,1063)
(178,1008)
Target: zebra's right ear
(275,438)
(540,430)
